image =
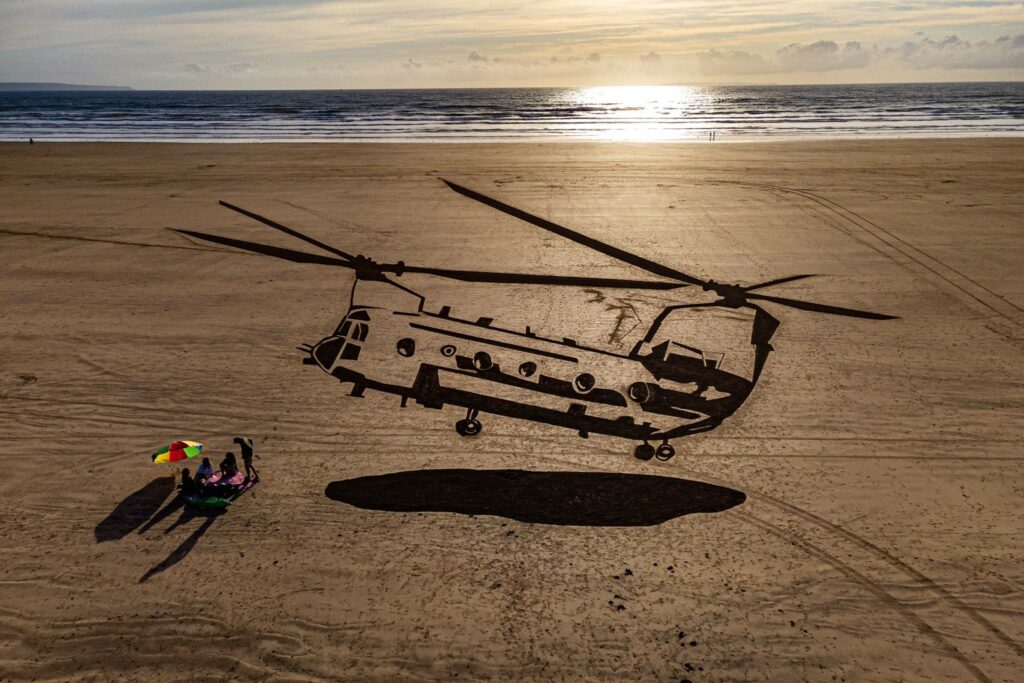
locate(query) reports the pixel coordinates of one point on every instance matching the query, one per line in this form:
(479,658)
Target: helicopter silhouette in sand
(661,390)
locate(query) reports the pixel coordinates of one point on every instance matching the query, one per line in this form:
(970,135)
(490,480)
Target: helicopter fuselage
(437,360)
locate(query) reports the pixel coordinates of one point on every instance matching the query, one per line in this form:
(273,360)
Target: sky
(264,44)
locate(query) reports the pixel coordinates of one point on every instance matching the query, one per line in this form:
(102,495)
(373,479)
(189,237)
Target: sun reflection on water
(639,113)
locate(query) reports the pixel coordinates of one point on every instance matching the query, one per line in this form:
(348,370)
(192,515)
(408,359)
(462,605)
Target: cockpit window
(358,332)
(353,327)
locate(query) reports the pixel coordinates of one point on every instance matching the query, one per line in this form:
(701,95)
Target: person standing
(245,444)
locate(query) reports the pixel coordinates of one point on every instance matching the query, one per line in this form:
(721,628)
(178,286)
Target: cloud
(718,62)
(949,53)
(824,55)
(223,69)
(182,43)
(1005,52)
(592,58)
(652,58)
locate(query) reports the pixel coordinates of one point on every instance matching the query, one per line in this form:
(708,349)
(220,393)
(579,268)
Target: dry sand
(881,536)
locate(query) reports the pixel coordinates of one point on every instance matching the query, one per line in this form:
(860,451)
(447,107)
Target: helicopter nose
(326,352)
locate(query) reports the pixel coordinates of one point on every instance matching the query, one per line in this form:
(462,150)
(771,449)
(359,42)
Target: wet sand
(859,518)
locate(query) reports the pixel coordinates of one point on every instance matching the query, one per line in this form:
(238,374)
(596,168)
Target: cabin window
(482,360)
(585,382)
(528,368)
(350,351)
(642,392)
(406,347)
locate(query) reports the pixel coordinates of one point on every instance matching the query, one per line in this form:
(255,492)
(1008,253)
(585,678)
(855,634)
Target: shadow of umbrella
(133,511)
(565,498)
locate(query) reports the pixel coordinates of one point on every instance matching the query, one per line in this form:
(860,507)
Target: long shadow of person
(179,553)
(175,504)
(188,513)
(134,510)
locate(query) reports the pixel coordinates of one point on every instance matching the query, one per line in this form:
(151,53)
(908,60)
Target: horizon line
(88,87)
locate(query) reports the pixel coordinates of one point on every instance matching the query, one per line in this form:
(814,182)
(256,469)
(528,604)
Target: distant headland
(27,87)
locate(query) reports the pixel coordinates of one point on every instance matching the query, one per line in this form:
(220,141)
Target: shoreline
(725,139)
(880,142)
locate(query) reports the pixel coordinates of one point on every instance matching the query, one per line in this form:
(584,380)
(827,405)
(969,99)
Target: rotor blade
(531,279)
(779,281)
(287,230)
(267,250)
(596,245)
(464,275)
(821,308)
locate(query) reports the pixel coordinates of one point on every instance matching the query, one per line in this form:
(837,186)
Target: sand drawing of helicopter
(661,390)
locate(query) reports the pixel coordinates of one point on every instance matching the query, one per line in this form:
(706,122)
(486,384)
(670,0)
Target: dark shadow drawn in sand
(188,513)
(133,511)
(565,498)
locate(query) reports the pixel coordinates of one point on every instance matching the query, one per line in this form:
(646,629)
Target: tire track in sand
(871,571)
(871,585)
(891,580)
(903,252)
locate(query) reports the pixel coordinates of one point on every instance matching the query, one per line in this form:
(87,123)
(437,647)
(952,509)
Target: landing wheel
(665,452)
(644,451)
(468,427)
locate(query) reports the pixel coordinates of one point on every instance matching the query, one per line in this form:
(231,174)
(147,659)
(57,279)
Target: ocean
(640,113)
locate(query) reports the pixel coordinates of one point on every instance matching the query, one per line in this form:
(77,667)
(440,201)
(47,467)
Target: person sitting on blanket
(228,467)
(204,472)
(188,484)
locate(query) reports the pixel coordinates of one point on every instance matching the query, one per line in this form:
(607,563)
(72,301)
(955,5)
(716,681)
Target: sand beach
(859,518)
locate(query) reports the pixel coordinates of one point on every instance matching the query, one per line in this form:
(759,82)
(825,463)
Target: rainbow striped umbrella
(178,451)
